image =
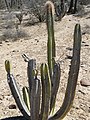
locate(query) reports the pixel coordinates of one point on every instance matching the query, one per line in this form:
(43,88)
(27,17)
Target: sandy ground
(33,43)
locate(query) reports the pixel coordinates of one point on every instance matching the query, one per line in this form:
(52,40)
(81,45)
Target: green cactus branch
(16,92)
(46,92)
(73,76)
(55,85)
(51,39)
(51,51)
(35,99)
(30,68)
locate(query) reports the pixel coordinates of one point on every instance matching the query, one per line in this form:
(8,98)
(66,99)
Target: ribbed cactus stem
(17,96)
(30,68)
(35,97)
(16,92)
(51,40)
(55,85)
(73,76)
(46,92)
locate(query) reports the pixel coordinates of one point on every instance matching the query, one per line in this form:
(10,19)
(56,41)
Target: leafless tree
(73,6)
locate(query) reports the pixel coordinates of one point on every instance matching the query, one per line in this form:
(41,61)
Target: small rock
(69,57)
(6,40)
(1,97)
(68,48)
(85,83)
(83,33)
(12,106)
(8,44)
(86,45)
(0,42)
(36,40)
(83,42)
(70,20)
(17,75)
(81,92)
(82,65)
(89,109)
(14,51)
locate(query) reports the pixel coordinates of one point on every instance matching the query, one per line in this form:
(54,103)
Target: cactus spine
(29,104)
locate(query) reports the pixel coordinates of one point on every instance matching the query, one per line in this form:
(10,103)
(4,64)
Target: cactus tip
(50,7)
(7,66)
(77,26)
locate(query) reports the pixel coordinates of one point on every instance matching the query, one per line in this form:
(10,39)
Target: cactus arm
(55,85)
(46,92)
(51,51)
(17,96)
(73,76)
(43,91)
(16,92)
(30,68)
(26,97)
(35,99)
(51,39)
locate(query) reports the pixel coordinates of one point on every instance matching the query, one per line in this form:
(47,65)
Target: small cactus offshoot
(32,104)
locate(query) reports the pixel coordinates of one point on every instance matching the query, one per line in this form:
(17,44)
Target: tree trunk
(75,7)
(71,6)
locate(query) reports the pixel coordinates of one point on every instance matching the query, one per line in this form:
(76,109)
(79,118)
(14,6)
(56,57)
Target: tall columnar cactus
(51,40)
(30,104)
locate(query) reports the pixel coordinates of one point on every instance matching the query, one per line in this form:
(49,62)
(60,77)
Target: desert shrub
(2,4)
(36,7)
(12,34)
(13,4)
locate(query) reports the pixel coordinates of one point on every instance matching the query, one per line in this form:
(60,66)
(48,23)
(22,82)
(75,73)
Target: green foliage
(30,103)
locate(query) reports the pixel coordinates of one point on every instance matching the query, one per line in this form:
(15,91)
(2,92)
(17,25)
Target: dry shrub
(12,34)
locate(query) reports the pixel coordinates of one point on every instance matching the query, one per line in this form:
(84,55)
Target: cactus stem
(51,39)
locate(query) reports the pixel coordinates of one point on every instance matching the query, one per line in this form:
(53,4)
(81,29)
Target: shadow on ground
(15,118)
